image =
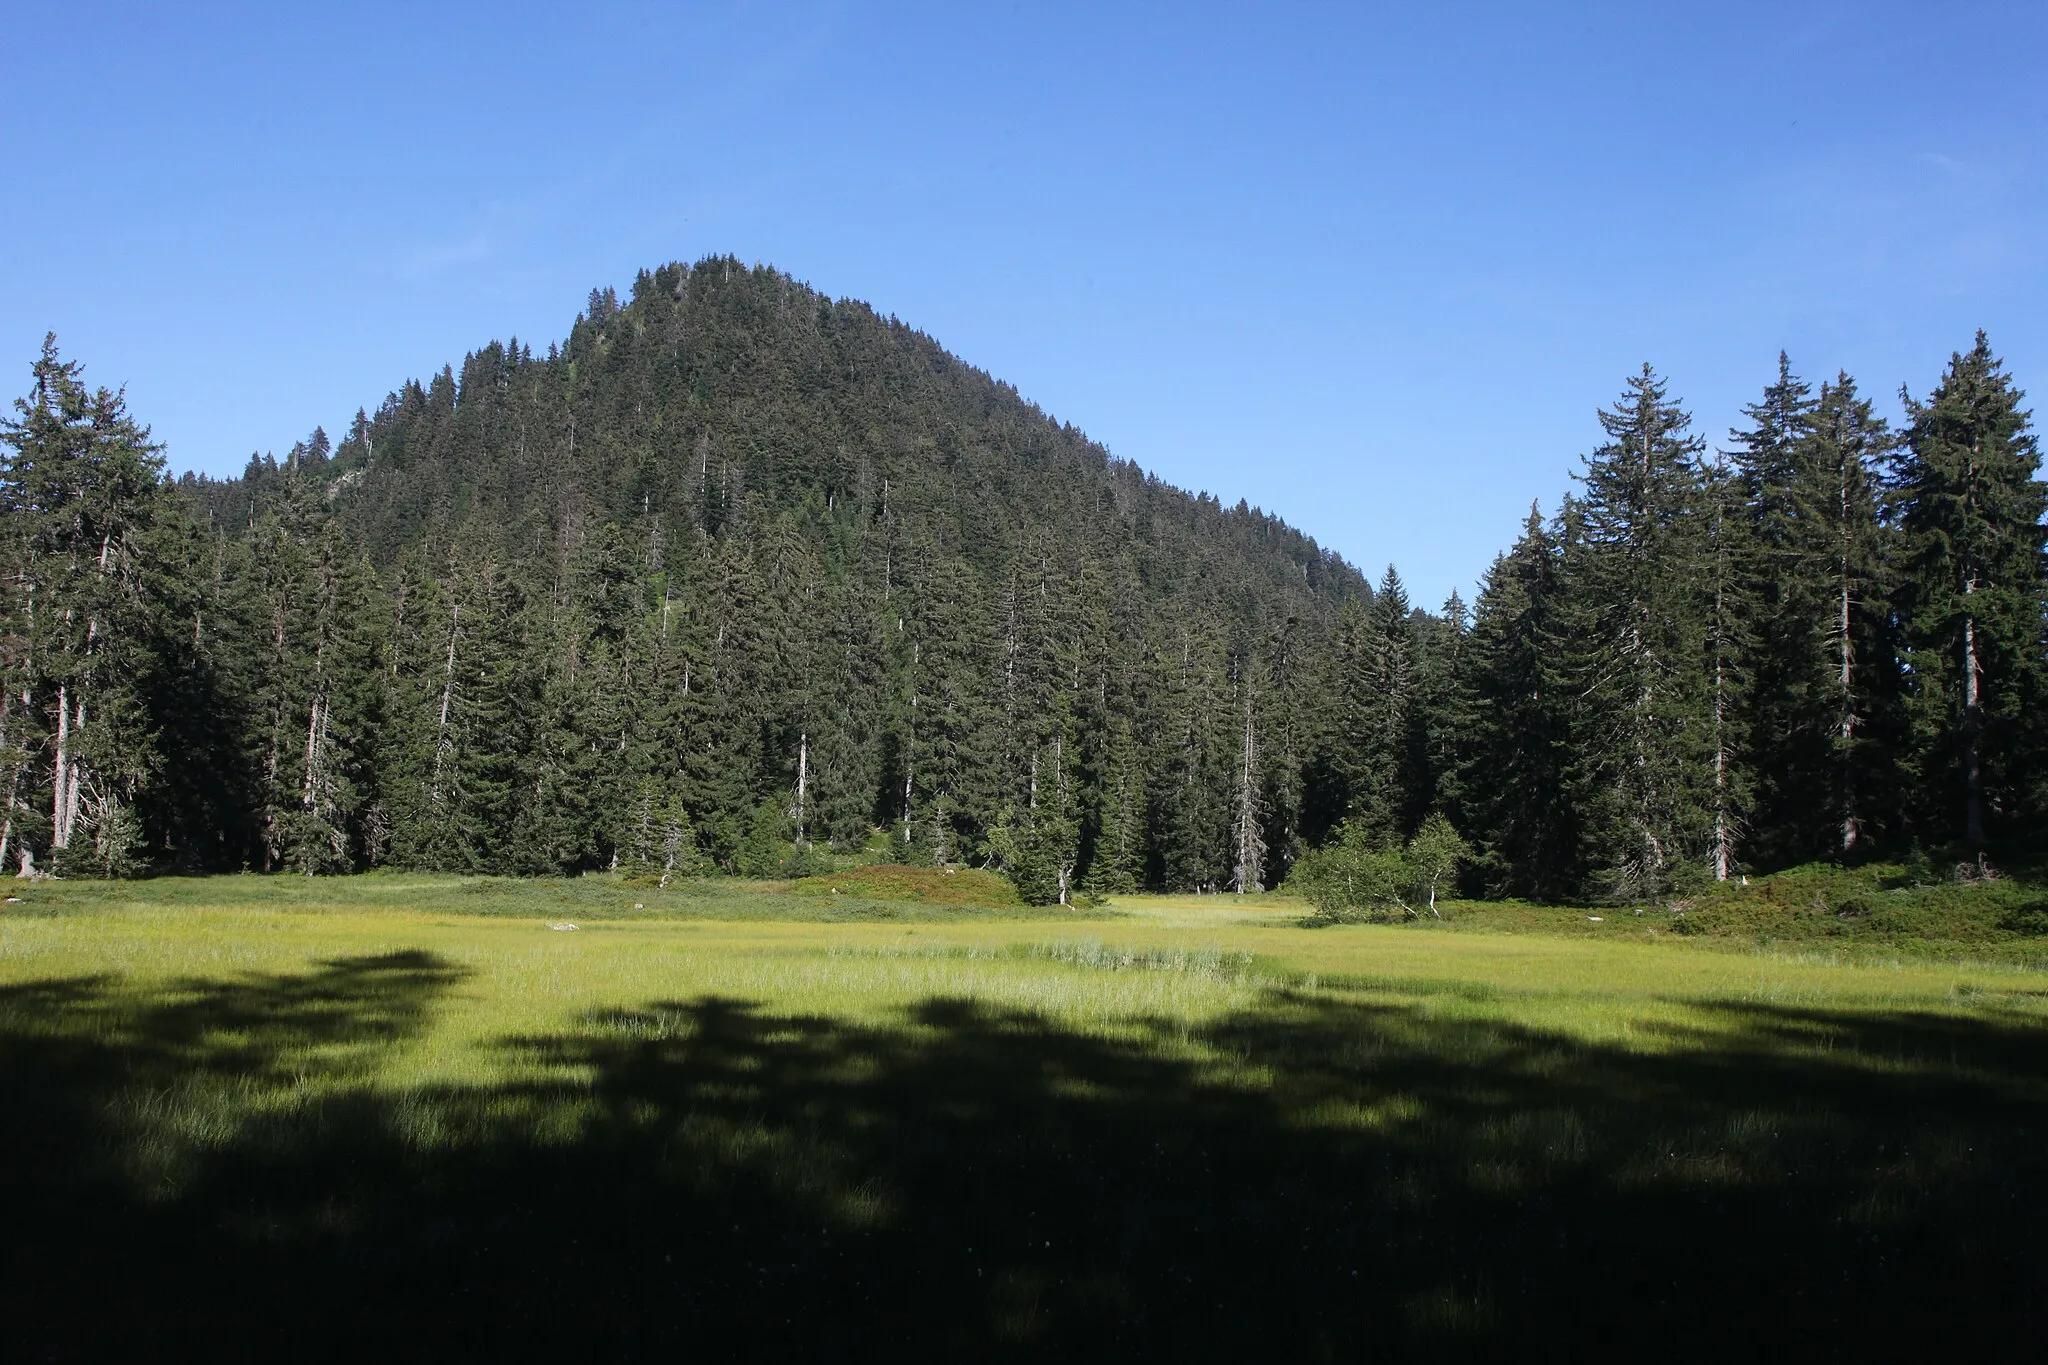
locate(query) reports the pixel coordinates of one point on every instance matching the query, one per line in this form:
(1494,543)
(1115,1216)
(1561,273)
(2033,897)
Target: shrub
(808,860)
(1353,878)
(970,887)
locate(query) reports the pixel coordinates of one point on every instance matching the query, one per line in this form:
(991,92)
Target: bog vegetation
(415,1115)
(748,580)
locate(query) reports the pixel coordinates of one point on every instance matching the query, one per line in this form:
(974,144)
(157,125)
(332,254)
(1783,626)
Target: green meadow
(433,1117)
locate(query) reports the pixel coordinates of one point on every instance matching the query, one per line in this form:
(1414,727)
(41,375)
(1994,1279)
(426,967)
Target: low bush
(1889,905)
(1354,878)
(927,885)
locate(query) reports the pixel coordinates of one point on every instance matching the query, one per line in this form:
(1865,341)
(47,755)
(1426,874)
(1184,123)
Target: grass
(250,1117)
(1871,914)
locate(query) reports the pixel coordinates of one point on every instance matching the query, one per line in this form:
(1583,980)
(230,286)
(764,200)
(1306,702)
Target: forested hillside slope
(738,559)
(740,571)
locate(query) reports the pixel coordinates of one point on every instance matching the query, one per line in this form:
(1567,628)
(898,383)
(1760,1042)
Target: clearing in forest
(425,1116)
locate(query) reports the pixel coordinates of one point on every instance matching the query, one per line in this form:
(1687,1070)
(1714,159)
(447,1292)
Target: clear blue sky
(1371,267)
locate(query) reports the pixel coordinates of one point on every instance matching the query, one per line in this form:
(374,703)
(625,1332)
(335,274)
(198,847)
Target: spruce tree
(1248,805)
(1775,577)
(718,713)
(1194,729)
(1515,748)
(1971,596)
(462,738)
(1727,598)
(947,717)
(846,757)
(1381,745)
(1644,755)
(334,772)
(1440,710)
(1118,862)
(1822,660)
(82,494)
(1860,687)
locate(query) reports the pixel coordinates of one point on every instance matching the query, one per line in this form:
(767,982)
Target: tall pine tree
(1644,737)
(1515,740)
(82,495)
(1971,595)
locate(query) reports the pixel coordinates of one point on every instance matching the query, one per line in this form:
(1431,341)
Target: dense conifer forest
(740,573)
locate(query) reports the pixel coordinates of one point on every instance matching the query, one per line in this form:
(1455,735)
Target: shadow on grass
(206,1172)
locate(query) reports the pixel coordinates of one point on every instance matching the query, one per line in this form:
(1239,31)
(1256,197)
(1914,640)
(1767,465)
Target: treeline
(740,571)
(1827,644)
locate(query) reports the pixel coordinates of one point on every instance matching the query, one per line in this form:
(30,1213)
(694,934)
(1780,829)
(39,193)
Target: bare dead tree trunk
(1651,852)
(1724,821)
(803,772)
(61,777)
(909,739)
(447,697)
(316,729)
(1064,863)
(1724,834)
(272,756)
(1973,725)
(312,752)
(1251,844)
(13,775)
(21,762)
(78,774)
(1845,720)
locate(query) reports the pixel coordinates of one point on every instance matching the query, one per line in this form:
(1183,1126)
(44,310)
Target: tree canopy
(739,572)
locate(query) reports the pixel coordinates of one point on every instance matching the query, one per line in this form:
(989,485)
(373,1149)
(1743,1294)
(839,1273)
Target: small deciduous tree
(1352,877)
(1434,856)
(1356,876)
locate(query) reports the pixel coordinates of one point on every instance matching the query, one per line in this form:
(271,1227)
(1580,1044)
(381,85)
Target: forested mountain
(739,561)
(739,571)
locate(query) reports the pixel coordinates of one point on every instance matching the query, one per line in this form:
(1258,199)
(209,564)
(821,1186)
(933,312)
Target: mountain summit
(739,563)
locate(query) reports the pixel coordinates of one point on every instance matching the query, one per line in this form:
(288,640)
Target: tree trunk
(1724,822)
(1251,846)
(1724,834)
(61,802)
(1845,724)
(1643,732)
(1973,724)
(316,727)
(447,697)
(803,772)
(13,776)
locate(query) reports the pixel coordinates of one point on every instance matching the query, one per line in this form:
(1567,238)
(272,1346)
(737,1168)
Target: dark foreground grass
(204,1169)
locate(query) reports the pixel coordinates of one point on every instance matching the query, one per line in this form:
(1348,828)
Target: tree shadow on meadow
(208,1171)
